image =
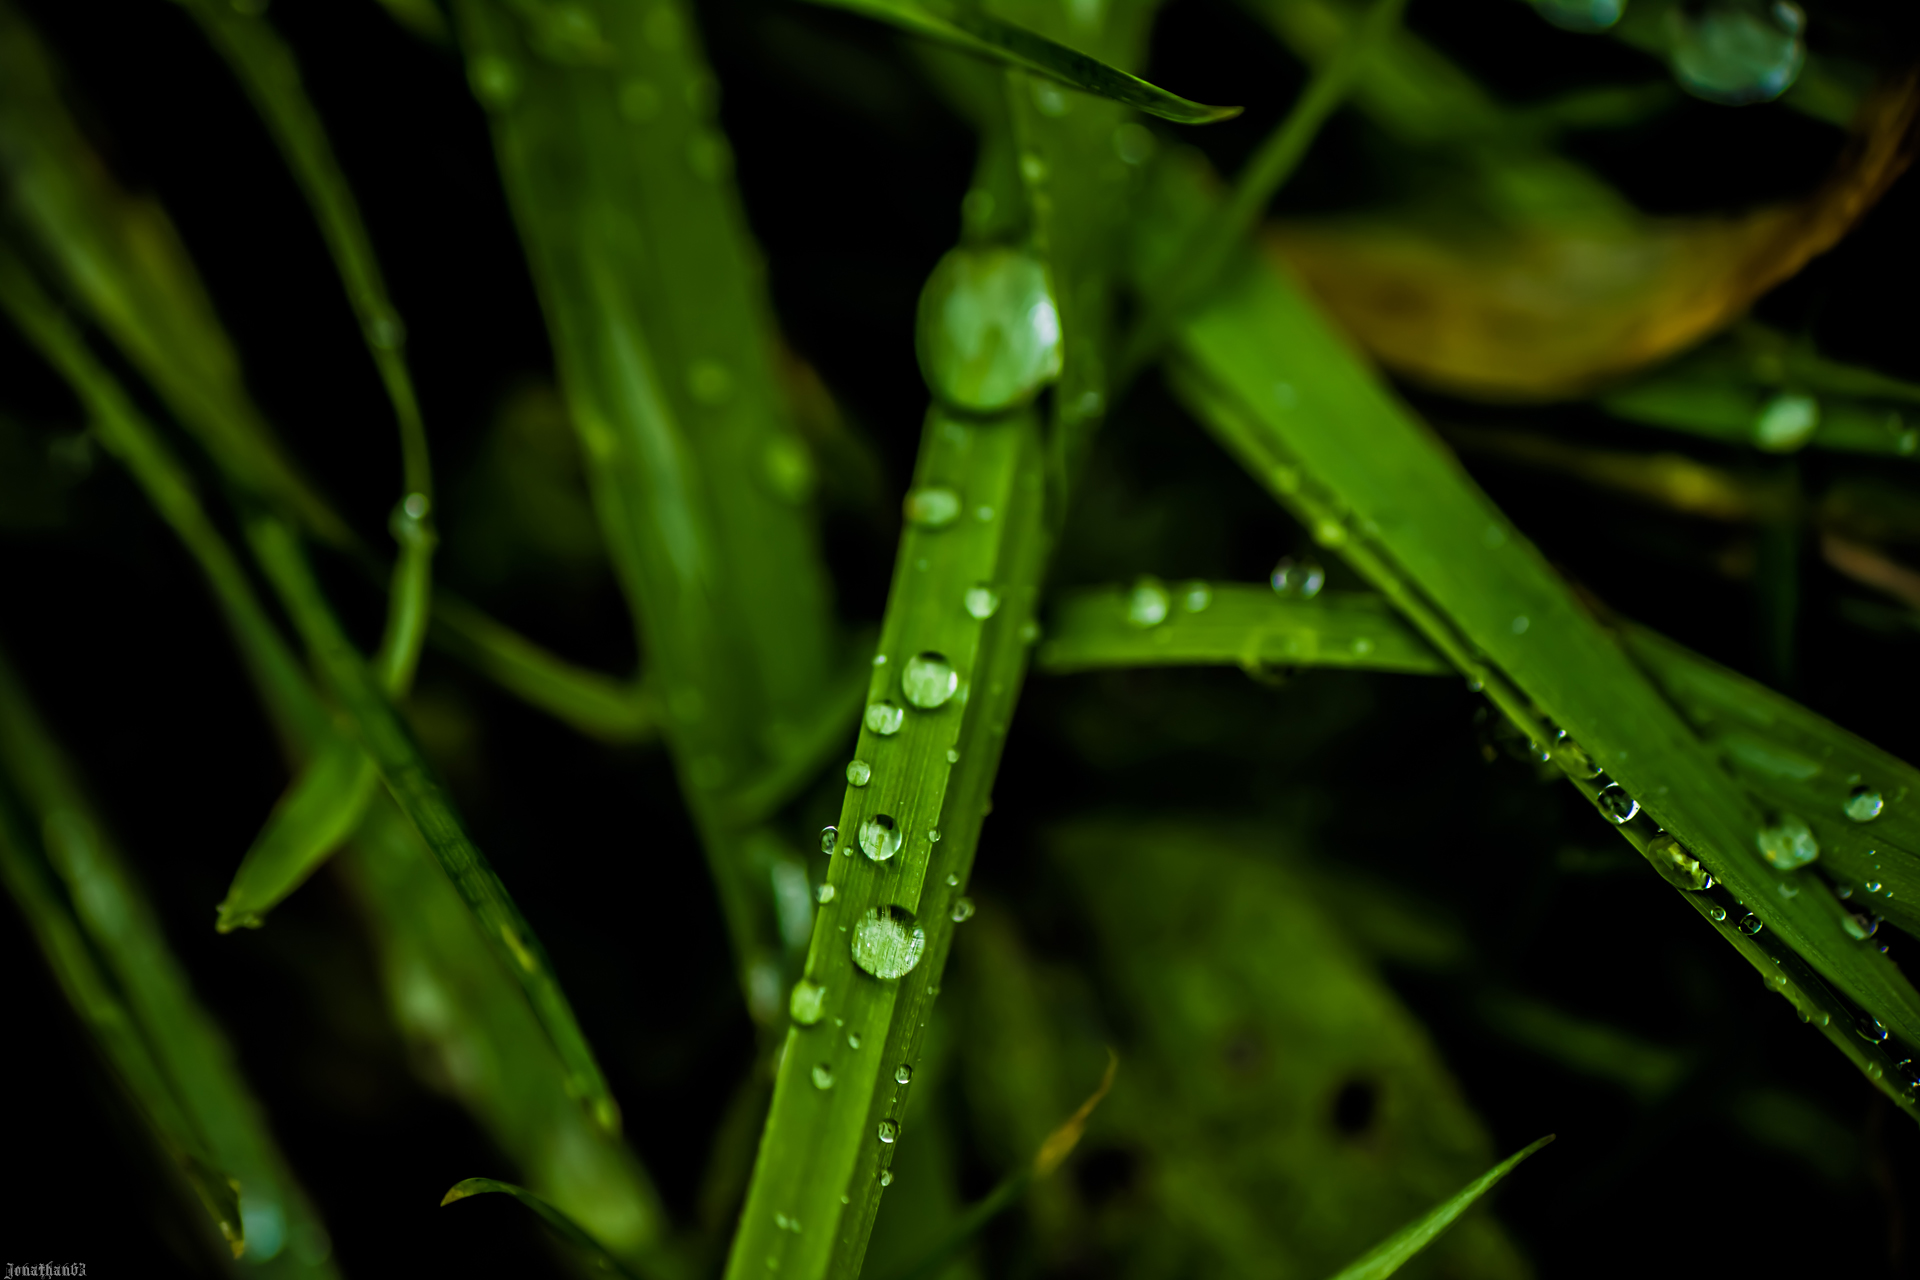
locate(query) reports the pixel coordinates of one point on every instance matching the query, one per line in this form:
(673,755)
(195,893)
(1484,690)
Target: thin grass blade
(1397,1250)
(563,1226)
(316,815)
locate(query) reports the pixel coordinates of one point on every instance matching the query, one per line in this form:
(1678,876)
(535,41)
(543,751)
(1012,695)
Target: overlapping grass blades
(1314,427)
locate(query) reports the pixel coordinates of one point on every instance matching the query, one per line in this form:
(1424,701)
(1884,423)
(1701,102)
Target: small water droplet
(1032,166)
(929,680)
(934,507)
(1195,596)
(888,1131)
(1362,647)
(1871,886)
(988,331)
(962,910)
(1681,868)
(1572,757)
(1298,579)
(1148,602)
(933,836)
(1750,924)
(827,837)
(1584,16)
(886,1177)
(1048,98)
(853,1039)
(880,837)
(415,506)
(1029,631)
(884,718)
(953,881)
(1869,1029)
(953,756)
(902,1074)
(1788,843)
(807,1002)
(981,601)
(1330,533)
(824,894)
(823,1076)
(1717,913)
(1519,625)
(859,773)
(1864,804)
(1616,805)
(887,943)
(1735,52)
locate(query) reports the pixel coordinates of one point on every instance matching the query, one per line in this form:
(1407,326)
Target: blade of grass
(1394,1252)
(1228,624)
(188,1046)
(563,1226)
(385,739)
(112,1027)
(1312,424)
(970,28)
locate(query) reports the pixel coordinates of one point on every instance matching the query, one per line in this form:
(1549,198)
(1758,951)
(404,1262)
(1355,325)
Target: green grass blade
(562,1225)
(404,770)
(1395,1251)
(114,1031)
(1228,624)
(186,1044)
(820,1163)
(970,28)
(317,813)
(1314,426)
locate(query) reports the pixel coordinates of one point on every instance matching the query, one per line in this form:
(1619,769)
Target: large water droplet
(1863,804)
(1148,602)
(981,601)
(823,1076)
(1571,756)
(884,717)
(859,773)
(1195,596)
(828,835)
(1616,804)
(902,1074)
(887,943)
(1860,927)
(880,837)
(962,910)
(807,1003)
(1868,1028)
(1298,579)
(1672,860)
(1788,843)
(1750,924)
(888,1131)
(824,894)
(928,680)
(1736,51)
(934,507)
(988,333)
(1581,15)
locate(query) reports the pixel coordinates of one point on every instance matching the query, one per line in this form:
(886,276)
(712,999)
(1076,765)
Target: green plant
(1105,280)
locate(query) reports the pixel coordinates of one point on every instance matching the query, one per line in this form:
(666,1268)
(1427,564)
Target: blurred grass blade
(1314,426)
(1395,1251)
(318,812)
(192,1054)
(1228,624)
(1058,1146)
(970,28)
(114,1032)
(564,1226)
(386,741)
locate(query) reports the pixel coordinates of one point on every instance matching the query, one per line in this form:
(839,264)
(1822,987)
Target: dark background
(852,174)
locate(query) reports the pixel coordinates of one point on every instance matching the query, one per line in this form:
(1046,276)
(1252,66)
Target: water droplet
(902,1074)
(933,836)
(953,881)
(880,837)
(1871,886)
(1717,913)
(1048,98)
(859,773)
(1906,1074)
(853,1039)
(1033,167)
(1785,423)
(1860,927)
(1863,804)
(887,943)
(884,718)
(1363,646)
(962,910)
(1148,602)
(1788,843)
(385,330)
(1572,757)
(886,1177)
(988,333)
(1299,579)
(824,894)
(888,1131)
(495,81)
(639,101)
(1584,16)
(982,601)
(1029,631)
(1681,868)
(1750,924)
(788,469)
(1869,1029)
(827,837)
(415,506)
(1330,533)
(1736,51)
(953,756)
(934,507)
(1616,805)
(1519,625)
(823,1076)
(1196,596)
(807,1002)
(929,680)
(983,514)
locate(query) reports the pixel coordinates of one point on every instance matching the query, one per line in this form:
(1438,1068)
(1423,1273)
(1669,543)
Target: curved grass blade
(1228,624)
(1312,424)
(404,770)
(319,811)
(562,1225)
(970,28)
(1394,1252)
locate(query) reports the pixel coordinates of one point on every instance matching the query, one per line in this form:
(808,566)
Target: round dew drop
(1863,804)
(931,508)
(859,773)
(887,943)
(827,837)
(884,718)
(1750,924)
(988,332)
(824,894)
(1869,1029)
(853,1039)
(880,837)
(1788,843)
(1616,804)
(886,1177)
(1148,603)
(823,1076)
(888,1131)
(902,1074)
(981,601)
(928,680)
(1298,579)
(1735,52)
(1717,913)
(808,1003)
(1680,868)
(1195,596)
(962,910)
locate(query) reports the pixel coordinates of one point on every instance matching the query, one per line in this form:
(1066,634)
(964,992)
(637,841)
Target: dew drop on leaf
(888,1131)
(934,507)
(928,680)
(1147,603)
(1681,868)
(1788,843)
(1750,924)
(1616,804)
(822,1076)
(987,331)
(827,836)
(1735,52)
(1195,596)
(807,1003)
(902,1074)
(981,601)
(962,910)
(887,943)
(824,894)
(884,717)
(1298,579)
(880,837)
(859,773)
(1869,1029)
(1863,804)
(886,1177)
